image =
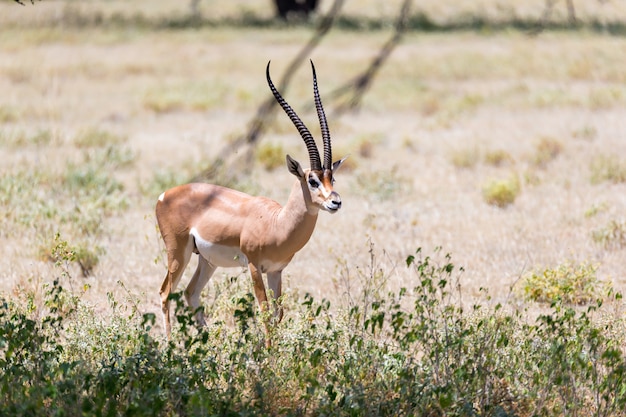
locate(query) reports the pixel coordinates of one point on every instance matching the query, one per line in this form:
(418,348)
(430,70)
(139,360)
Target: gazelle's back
(182,208)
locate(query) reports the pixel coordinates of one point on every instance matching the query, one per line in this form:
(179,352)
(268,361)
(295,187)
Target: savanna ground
(506,150)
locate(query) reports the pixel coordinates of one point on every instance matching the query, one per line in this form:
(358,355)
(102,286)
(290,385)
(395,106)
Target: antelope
(228,228)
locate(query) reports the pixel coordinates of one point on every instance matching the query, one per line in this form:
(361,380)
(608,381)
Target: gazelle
(228,228)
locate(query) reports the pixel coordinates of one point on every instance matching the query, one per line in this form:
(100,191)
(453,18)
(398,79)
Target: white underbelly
(219,255)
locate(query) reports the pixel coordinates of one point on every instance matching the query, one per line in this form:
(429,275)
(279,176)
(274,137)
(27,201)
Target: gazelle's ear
(294,167)
(337,164)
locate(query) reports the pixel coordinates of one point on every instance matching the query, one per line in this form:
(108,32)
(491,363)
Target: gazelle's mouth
(332,208)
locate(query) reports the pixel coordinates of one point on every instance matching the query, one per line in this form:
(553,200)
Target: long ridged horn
(314,155)
(328,153)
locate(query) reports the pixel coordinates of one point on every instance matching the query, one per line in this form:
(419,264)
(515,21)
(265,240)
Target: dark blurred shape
(298,8)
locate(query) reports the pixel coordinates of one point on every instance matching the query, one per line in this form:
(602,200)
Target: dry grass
(173,97)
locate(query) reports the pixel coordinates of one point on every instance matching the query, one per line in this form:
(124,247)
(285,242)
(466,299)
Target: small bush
(572,283)
(611,236)
(595,209)
(465,158)
(546,150)
(608,168)
(20,138)
(502,193)
(84,255)
(498,158)
(586,132)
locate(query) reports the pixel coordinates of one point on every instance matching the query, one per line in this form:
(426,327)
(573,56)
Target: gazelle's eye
(314,183)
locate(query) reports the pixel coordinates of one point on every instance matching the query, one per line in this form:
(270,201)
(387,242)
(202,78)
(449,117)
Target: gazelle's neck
(298,216)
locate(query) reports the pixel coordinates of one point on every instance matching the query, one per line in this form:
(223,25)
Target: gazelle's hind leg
(176,263)
(274,281)
(200,278)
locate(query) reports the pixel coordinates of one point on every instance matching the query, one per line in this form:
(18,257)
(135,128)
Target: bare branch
(547,13)
(363,81)
(263,115)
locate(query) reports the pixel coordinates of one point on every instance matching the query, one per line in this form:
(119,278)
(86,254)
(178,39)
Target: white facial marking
(219,255)
(162,197)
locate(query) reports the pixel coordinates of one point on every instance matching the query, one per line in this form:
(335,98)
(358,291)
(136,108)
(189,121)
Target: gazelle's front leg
(259,287)
(275,281)
(261,297)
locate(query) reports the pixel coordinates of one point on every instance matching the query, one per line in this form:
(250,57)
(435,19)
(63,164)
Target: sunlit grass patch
(26,199)
(586,132)
(365,144)
(382,185)
(164,179)
(498,157)
(502,193)
(74,201)
(546,150)
(612,235)
(190,96)
(19,138)
(611,168)
(466,157)
(271,155)
(9,114)
(595,209)
(361,148)
(606,98)
(95,137)
(570,282)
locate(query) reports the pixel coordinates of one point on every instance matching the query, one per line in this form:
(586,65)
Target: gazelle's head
(319,178)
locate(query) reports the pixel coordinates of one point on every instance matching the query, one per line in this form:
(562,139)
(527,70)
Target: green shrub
(417,351)
(502,193)
(572,283)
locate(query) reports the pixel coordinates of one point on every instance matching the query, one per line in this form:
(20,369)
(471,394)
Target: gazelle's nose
(334,201)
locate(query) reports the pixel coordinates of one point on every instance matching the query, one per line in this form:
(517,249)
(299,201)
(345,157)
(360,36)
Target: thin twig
(263,115)
(359,84)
